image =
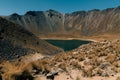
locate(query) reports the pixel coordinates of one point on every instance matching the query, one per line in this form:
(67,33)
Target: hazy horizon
(8,7)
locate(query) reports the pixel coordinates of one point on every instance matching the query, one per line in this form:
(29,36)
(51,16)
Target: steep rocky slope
(80,23)
(95,21)
(94,61)
(39,21)
(16,41)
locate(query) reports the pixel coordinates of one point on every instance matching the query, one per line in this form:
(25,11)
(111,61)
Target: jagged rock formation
(83,23)
(39,21)
(16,42)
(94,21)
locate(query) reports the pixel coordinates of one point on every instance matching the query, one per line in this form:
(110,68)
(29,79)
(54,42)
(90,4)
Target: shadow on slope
(16,42)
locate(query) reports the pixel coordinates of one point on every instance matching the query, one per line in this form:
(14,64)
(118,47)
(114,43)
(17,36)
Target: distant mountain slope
(78,23)
(16,42)
(39,21)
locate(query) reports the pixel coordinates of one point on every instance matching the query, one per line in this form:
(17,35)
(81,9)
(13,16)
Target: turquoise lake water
(67,45)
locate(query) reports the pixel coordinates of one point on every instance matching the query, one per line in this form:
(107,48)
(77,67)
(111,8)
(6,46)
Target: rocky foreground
(94,61)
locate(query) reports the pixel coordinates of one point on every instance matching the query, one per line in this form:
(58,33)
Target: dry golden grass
(110,58)
(11,70)
(91,60)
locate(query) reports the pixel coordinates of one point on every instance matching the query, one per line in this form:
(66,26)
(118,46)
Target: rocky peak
(32,13)
(117,9)
(107,10)
(95,10)
(79,13)
(54,13)
(91,22)
(14,16)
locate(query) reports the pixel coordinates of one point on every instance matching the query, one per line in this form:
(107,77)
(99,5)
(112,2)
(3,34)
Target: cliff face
(16,42)
(84,23)
(39,21)
(94,21)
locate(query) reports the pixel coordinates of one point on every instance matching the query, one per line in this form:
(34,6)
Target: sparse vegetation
(118,78)
(86,59)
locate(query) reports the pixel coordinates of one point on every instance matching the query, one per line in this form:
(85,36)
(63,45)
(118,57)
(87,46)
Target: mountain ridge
(75,24)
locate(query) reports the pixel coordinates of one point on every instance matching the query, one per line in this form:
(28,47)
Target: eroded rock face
(80,23)
(40,21)
(94,21)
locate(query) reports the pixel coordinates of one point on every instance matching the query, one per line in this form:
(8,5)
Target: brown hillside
(16,41)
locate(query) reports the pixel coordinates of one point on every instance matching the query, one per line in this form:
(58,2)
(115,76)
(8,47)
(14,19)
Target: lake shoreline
(92,40)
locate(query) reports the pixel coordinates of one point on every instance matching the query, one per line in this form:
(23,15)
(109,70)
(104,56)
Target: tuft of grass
(118,78)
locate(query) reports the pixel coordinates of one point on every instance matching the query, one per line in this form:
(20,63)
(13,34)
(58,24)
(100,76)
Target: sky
(8,7)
